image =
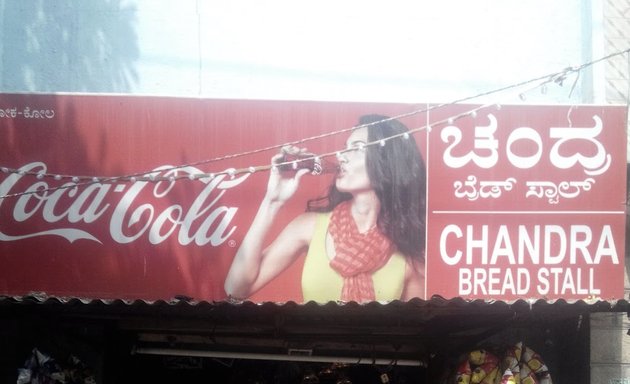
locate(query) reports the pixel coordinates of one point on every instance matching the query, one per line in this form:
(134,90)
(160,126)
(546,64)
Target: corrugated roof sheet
(436,302)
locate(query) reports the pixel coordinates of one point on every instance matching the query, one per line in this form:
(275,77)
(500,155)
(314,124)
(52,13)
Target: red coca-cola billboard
(152,198)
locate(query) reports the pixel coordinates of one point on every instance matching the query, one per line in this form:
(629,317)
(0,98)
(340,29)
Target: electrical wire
(77,181)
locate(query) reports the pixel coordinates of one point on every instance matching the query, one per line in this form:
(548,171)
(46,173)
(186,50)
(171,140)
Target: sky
(350,50)
(403,51)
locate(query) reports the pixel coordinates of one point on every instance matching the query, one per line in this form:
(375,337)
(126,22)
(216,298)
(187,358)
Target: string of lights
(78,181)
(74,181)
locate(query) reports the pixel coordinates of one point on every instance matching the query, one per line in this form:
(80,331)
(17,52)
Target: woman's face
(353,176)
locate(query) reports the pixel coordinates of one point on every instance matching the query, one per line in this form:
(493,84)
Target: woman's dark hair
(398,176)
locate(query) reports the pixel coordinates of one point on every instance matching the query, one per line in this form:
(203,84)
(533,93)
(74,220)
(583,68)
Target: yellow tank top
(320,283)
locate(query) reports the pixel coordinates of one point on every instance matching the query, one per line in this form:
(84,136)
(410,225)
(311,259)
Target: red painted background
(117,239)
(522,182)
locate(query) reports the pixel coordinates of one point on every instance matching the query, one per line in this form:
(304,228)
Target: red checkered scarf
(358,255)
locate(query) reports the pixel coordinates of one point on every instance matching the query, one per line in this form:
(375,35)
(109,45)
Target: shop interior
(413,342)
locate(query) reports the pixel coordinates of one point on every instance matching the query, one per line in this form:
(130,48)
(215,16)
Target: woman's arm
(254,266)
(414,279)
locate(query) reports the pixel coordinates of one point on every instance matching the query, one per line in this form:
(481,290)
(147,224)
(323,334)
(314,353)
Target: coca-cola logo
(129,210)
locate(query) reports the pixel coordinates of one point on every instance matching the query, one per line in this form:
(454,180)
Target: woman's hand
(283,185)
(254,265)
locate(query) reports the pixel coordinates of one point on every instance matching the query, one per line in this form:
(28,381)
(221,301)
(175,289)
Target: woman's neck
(365,208)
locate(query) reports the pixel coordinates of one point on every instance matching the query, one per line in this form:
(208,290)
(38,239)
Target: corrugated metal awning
(397,330)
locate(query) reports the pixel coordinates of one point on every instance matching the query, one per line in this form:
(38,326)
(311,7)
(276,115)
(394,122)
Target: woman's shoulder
(308,218)
(305,223)
(414,277)
(417,264)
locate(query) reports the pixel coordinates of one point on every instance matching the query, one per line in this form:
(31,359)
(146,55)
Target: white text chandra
(527,245)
